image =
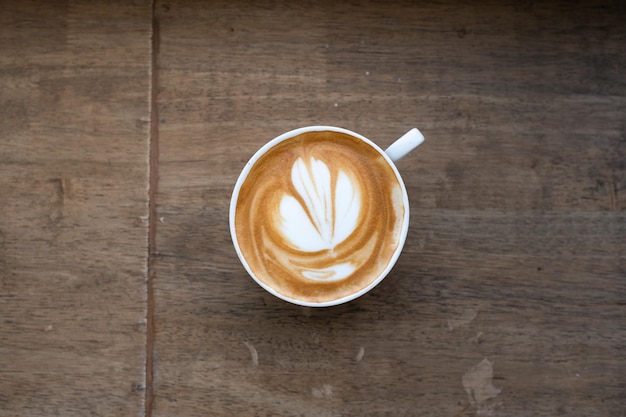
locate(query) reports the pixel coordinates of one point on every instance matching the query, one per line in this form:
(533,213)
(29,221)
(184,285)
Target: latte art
(319,216)
(322,215)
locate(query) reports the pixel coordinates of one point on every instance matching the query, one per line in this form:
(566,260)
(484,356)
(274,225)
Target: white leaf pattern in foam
(327,217)
(297,228)
(346,209)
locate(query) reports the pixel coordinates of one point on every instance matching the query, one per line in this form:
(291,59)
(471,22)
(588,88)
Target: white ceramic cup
(399,149)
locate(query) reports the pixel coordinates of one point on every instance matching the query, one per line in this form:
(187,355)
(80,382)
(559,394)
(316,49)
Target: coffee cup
(319,215)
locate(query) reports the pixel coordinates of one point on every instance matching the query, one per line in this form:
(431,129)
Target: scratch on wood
(359,354)
(612,189)
(460,413)
(477,338)
(62,188)
(478,383)
(468,315)
(253,353)
(57,200)
(325,391)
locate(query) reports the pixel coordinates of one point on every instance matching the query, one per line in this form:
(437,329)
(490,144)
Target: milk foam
(332,273)
(325,213)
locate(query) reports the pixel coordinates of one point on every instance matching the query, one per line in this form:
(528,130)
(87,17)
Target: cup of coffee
(319,215)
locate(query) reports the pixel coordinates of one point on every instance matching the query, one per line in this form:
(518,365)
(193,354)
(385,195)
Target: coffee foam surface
(324,211)
(319,216)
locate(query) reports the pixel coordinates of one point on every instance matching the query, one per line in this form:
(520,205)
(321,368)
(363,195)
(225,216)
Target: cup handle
(405,144)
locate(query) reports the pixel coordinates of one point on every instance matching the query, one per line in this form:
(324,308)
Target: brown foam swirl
(368,249)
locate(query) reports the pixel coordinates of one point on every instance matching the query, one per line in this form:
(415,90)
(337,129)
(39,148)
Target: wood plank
(74,137)
(509,297)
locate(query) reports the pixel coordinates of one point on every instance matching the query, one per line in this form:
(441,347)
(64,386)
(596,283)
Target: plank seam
(152,210)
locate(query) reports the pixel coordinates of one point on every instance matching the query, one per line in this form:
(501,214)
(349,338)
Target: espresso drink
(319,216)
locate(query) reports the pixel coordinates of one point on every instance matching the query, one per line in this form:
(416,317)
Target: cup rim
(243,176)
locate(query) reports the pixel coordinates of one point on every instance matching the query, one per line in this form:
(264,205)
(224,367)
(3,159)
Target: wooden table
(124,124)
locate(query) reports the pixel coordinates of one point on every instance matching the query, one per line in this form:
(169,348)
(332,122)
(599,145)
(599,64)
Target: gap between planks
(152,209)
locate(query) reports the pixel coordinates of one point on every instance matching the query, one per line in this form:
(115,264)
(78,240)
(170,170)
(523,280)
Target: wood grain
(123,129)
(73,202)
(509,297)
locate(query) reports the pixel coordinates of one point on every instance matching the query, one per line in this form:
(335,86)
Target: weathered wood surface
(510,296)
(74,122)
